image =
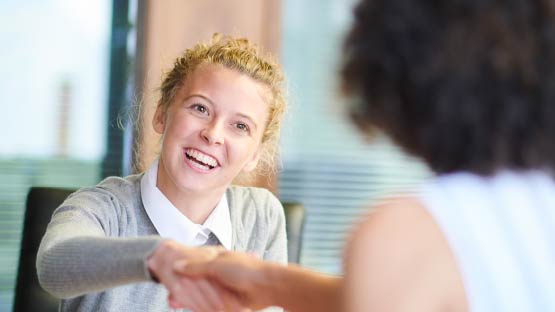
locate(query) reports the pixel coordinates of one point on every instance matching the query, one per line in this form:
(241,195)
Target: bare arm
(298,289)
(261,284)
(398,260)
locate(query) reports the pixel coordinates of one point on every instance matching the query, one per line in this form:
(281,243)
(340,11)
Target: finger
(174,304)
(215,251)
(192,268)
(210,294)
(196,297)
(254,255)
(179,266)
(187,302)
(183,293)
(174,286)
(231,301)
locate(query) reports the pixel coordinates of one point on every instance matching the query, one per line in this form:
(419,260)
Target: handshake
(211,278)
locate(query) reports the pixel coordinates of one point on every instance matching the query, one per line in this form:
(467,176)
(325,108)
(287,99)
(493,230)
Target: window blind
(327,166)
(17,175)
(337,189)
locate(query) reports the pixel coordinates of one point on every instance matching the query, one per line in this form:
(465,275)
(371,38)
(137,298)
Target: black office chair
(294,223)
(29,296)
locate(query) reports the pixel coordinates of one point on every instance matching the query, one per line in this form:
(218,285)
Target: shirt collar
(219,223)
(171,223)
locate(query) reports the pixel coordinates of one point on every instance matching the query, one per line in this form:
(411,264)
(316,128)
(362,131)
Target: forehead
(228,89)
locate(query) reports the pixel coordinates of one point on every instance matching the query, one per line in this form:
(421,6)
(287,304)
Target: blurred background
(69,70)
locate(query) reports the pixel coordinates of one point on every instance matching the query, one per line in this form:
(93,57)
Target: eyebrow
(200,96)
(212,103)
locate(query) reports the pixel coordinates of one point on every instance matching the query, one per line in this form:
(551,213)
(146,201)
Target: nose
(212,133)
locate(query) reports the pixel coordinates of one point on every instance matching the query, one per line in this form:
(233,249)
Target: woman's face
(211,131)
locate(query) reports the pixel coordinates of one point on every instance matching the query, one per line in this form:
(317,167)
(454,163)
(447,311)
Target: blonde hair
(245,57)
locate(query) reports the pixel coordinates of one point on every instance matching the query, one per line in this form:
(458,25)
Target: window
(53,122)
(326,164)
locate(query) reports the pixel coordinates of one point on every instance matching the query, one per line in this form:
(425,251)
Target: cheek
(250,151)
(182,126)
(241,151)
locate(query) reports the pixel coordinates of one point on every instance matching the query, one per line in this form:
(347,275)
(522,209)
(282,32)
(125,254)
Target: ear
(159,120)
(251,164)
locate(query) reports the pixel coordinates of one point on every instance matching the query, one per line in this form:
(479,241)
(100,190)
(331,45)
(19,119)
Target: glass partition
(54,64)
(327,166)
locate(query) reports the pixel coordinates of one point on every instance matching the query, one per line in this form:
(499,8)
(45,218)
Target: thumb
(192,268)
(174,304)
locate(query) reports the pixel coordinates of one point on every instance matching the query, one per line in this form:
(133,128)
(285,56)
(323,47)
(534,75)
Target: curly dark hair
(467,85)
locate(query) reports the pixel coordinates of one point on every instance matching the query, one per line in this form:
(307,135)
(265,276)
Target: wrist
(272,283)
(150,265)
(153,261)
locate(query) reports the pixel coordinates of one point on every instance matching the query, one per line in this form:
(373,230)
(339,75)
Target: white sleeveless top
(501,230)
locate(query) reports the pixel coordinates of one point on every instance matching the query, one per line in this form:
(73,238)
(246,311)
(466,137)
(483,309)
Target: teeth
(203,167)
(203,158)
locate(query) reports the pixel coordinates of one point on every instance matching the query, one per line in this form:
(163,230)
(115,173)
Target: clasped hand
(207,279)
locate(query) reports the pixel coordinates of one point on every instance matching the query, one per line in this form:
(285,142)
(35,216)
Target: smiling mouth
(201,160)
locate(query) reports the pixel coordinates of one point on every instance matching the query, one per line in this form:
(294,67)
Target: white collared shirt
(171,223)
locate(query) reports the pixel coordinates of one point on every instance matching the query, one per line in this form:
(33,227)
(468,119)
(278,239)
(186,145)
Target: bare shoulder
(397,259)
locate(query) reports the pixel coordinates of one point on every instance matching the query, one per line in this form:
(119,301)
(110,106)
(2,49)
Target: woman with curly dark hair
(468,86)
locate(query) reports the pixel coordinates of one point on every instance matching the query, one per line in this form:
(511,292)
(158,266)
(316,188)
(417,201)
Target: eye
(199,108)
(242,126)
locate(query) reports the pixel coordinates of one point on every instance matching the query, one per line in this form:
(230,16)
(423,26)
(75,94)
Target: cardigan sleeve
(81,252)
(276,245)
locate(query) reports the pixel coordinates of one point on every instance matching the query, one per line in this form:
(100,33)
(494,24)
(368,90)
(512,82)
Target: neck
(196,206)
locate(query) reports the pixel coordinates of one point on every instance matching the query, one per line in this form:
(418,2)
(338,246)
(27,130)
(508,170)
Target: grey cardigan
(94,252)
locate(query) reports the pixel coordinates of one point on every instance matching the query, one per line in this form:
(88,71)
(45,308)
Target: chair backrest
(294,223)
(29,296)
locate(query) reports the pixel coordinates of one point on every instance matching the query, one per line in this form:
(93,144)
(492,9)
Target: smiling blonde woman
(219,116)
